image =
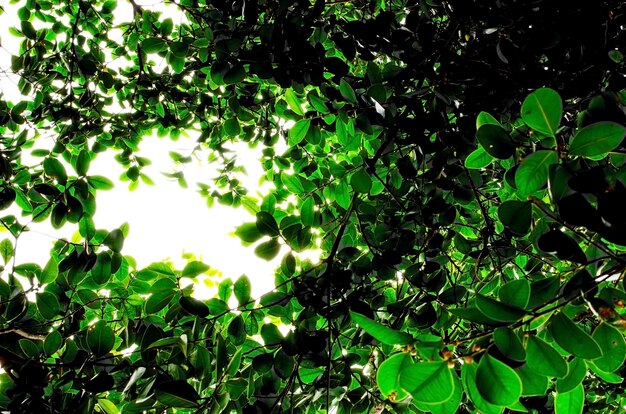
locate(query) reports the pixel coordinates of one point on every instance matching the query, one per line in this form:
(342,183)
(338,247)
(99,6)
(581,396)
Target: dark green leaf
(177,394)
(100,338)
(544,359)
(498,311)
(266,223)
(613,346)
(496,141)
(572,338)
(242,289)
(498,383)
(267,250)
(509,344)
(575,375)
(48,305)
(597,139)
(516,216)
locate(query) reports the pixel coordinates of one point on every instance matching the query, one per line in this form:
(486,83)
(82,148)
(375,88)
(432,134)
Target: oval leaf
(613,346)
(498,383)
(597,139)
(496,141)
(571,402)
(516,216)
(427,382)
(542,111)
(572,338)
(532,174)
(381,332)
(544,359)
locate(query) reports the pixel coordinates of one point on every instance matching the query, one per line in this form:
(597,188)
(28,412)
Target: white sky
(164,219)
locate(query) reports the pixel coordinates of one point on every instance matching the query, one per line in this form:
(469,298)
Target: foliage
(460,163)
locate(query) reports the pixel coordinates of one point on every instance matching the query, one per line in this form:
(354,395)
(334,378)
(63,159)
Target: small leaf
(571,402)
(613,346)
(498,311)
(477,159)
(194,306)
(107,406)
(268,250)
(532,174)
(6,250)
(99,182)
(54,168)
(266,223)
(294,103)
(114,240)
(248,232)
(572,338)
(237,330)
(231,127)
(544,359)
(177,394)
(361,181)
(153,45)
(100,338)
(597,139)
(194,268)
(381,332)
(516,216)
(298,132)
(82,163)
(50,272)
(48,305)
(242,289)
(542,111)
(307,212)
(52,343)
(498,383)
(347,92)
(485,118)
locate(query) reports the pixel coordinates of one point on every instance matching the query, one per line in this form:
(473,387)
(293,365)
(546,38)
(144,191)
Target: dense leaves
(459,163)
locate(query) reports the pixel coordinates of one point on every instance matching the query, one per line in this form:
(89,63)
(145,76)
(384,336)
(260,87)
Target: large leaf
(495,141)
(509,344)
(542,111)
(572,338)
(388,375)
(427,382)
(497,382)
(571,402)
(498,311)
(381,332)
(575,375)
(468,376)
(100,338)
(597,139)
(532,174)
(516,216)
(613,346)
(544,359)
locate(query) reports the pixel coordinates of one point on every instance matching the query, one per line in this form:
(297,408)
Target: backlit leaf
(542,111)
(381,332)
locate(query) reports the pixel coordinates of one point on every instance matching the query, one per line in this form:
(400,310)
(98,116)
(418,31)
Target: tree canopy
(461,164)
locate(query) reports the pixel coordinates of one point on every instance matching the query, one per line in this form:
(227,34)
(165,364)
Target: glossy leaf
(427,382)
(100,338)
(532,174)
(381,332)
(572,338)
(571,402)
(597,139)
(497,383)
(542,111)
(544,359)
(575,376)
(613,346)
(509,344)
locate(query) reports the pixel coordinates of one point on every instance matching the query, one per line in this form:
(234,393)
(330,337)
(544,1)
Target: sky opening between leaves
(165,220)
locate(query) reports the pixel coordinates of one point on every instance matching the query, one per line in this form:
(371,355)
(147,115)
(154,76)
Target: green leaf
(100,338)
(347,92)
(48,305)
(572,338)
(361,181)
(485,118)
(30,348)
(235,74)
(107,406)
(158,300)
(495,141)
(231,127)
(267,250)
(498,311)
(388,375)
(217,306)
(28,29)
(477,159)
(381,332)
(114,240)
(544,359)
(571,402)
(248,232)
(266,224)
(237,330)
(498,383)
(82,163)
(533,384)
(307,212)
(542,111)
(54,168)
(177,394)
(52,343)
(427,382)
(101,272)
(153,45)
(516,293)
(613,346)
(516,216)
(509,344)
(597,139)
(50,272)
(99,182)
(294,104)
(194,306)
(194,268)
(242,289)
(532,174)
(575,375)
(298,132)
(6,250)
(468,377)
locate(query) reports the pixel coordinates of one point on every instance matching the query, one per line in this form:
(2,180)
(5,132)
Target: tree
(460,162)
